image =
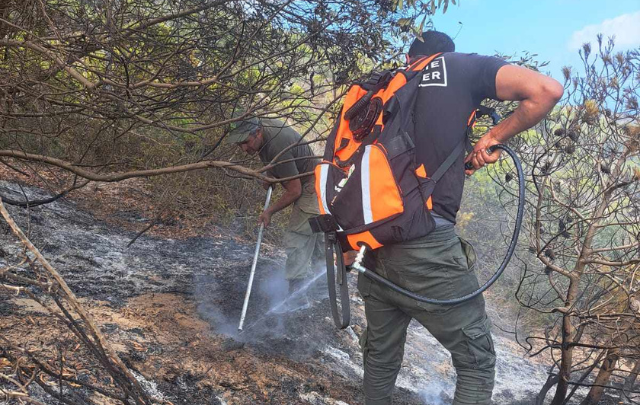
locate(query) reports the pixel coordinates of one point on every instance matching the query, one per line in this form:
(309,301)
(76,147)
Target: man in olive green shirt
(272,139)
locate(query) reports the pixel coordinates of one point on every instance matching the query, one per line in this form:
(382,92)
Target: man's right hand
(265,218)
(266,185)
(480,156)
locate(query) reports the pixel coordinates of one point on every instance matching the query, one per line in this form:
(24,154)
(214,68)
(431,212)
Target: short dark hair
(432,42)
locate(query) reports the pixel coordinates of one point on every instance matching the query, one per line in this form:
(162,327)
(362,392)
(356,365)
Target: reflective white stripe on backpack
(324,171)
(365,182)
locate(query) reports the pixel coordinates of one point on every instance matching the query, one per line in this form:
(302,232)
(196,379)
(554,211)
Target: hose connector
(359,258)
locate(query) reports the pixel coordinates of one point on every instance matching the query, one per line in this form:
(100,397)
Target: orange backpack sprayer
(370,190)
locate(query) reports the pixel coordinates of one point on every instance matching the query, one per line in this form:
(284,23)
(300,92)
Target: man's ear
(407,58)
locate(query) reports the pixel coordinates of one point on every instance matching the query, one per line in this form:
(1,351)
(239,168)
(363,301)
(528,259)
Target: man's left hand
(349,257)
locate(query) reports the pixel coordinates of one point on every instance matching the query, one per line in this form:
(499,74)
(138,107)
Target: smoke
(437,394)
(274,288)
(320,285)
(220,303)
(209,308)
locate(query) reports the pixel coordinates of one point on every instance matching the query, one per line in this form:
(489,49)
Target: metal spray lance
(255,262)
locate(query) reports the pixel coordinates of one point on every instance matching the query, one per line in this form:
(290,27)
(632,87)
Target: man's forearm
(537,95)
(528,113)
(283,202)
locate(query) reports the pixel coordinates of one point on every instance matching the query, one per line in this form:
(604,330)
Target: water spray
(295,294)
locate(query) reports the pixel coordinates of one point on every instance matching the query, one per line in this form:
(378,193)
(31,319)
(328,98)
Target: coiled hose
(512,246)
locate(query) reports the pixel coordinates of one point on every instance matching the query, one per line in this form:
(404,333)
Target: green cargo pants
(438,266)
(304,248)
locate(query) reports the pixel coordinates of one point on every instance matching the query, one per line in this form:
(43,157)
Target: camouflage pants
(305,249)
(438,266)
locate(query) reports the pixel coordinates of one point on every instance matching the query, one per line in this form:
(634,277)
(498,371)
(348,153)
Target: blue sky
(554,29)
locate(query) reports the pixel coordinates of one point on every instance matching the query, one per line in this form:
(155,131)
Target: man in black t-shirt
(440,265)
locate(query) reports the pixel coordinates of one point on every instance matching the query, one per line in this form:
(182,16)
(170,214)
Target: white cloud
(625,28)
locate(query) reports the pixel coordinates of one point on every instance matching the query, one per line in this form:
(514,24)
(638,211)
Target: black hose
(497,274)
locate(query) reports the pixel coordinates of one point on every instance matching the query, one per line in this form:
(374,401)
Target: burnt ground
(170,307)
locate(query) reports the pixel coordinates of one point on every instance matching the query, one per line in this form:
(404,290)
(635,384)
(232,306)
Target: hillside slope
(170,307)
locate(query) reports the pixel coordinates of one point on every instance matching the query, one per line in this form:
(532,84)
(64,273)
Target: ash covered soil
(170,308)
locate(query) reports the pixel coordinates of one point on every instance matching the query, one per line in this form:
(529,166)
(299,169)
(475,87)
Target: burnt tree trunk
(564,374)
(608,365)
(568,337)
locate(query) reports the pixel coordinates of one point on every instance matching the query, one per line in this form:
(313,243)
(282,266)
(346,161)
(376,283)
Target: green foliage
(127,85)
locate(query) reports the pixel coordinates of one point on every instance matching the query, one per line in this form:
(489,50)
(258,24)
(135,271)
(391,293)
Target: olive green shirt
(278,136)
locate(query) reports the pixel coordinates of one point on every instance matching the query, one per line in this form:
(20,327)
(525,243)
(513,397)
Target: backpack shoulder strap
(374,79)
(466,142)
(422,62)
(460,147)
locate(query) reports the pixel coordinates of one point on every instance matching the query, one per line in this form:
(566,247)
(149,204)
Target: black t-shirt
(452,86)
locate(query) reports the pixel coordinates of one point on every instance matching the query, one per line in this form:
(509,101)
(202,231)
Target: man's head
(247,134)
(432,42)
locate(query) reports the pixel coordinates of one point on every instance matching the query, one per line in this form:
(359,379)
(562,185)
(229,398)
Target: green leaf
(404,21)
(446,5)
(421,27)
